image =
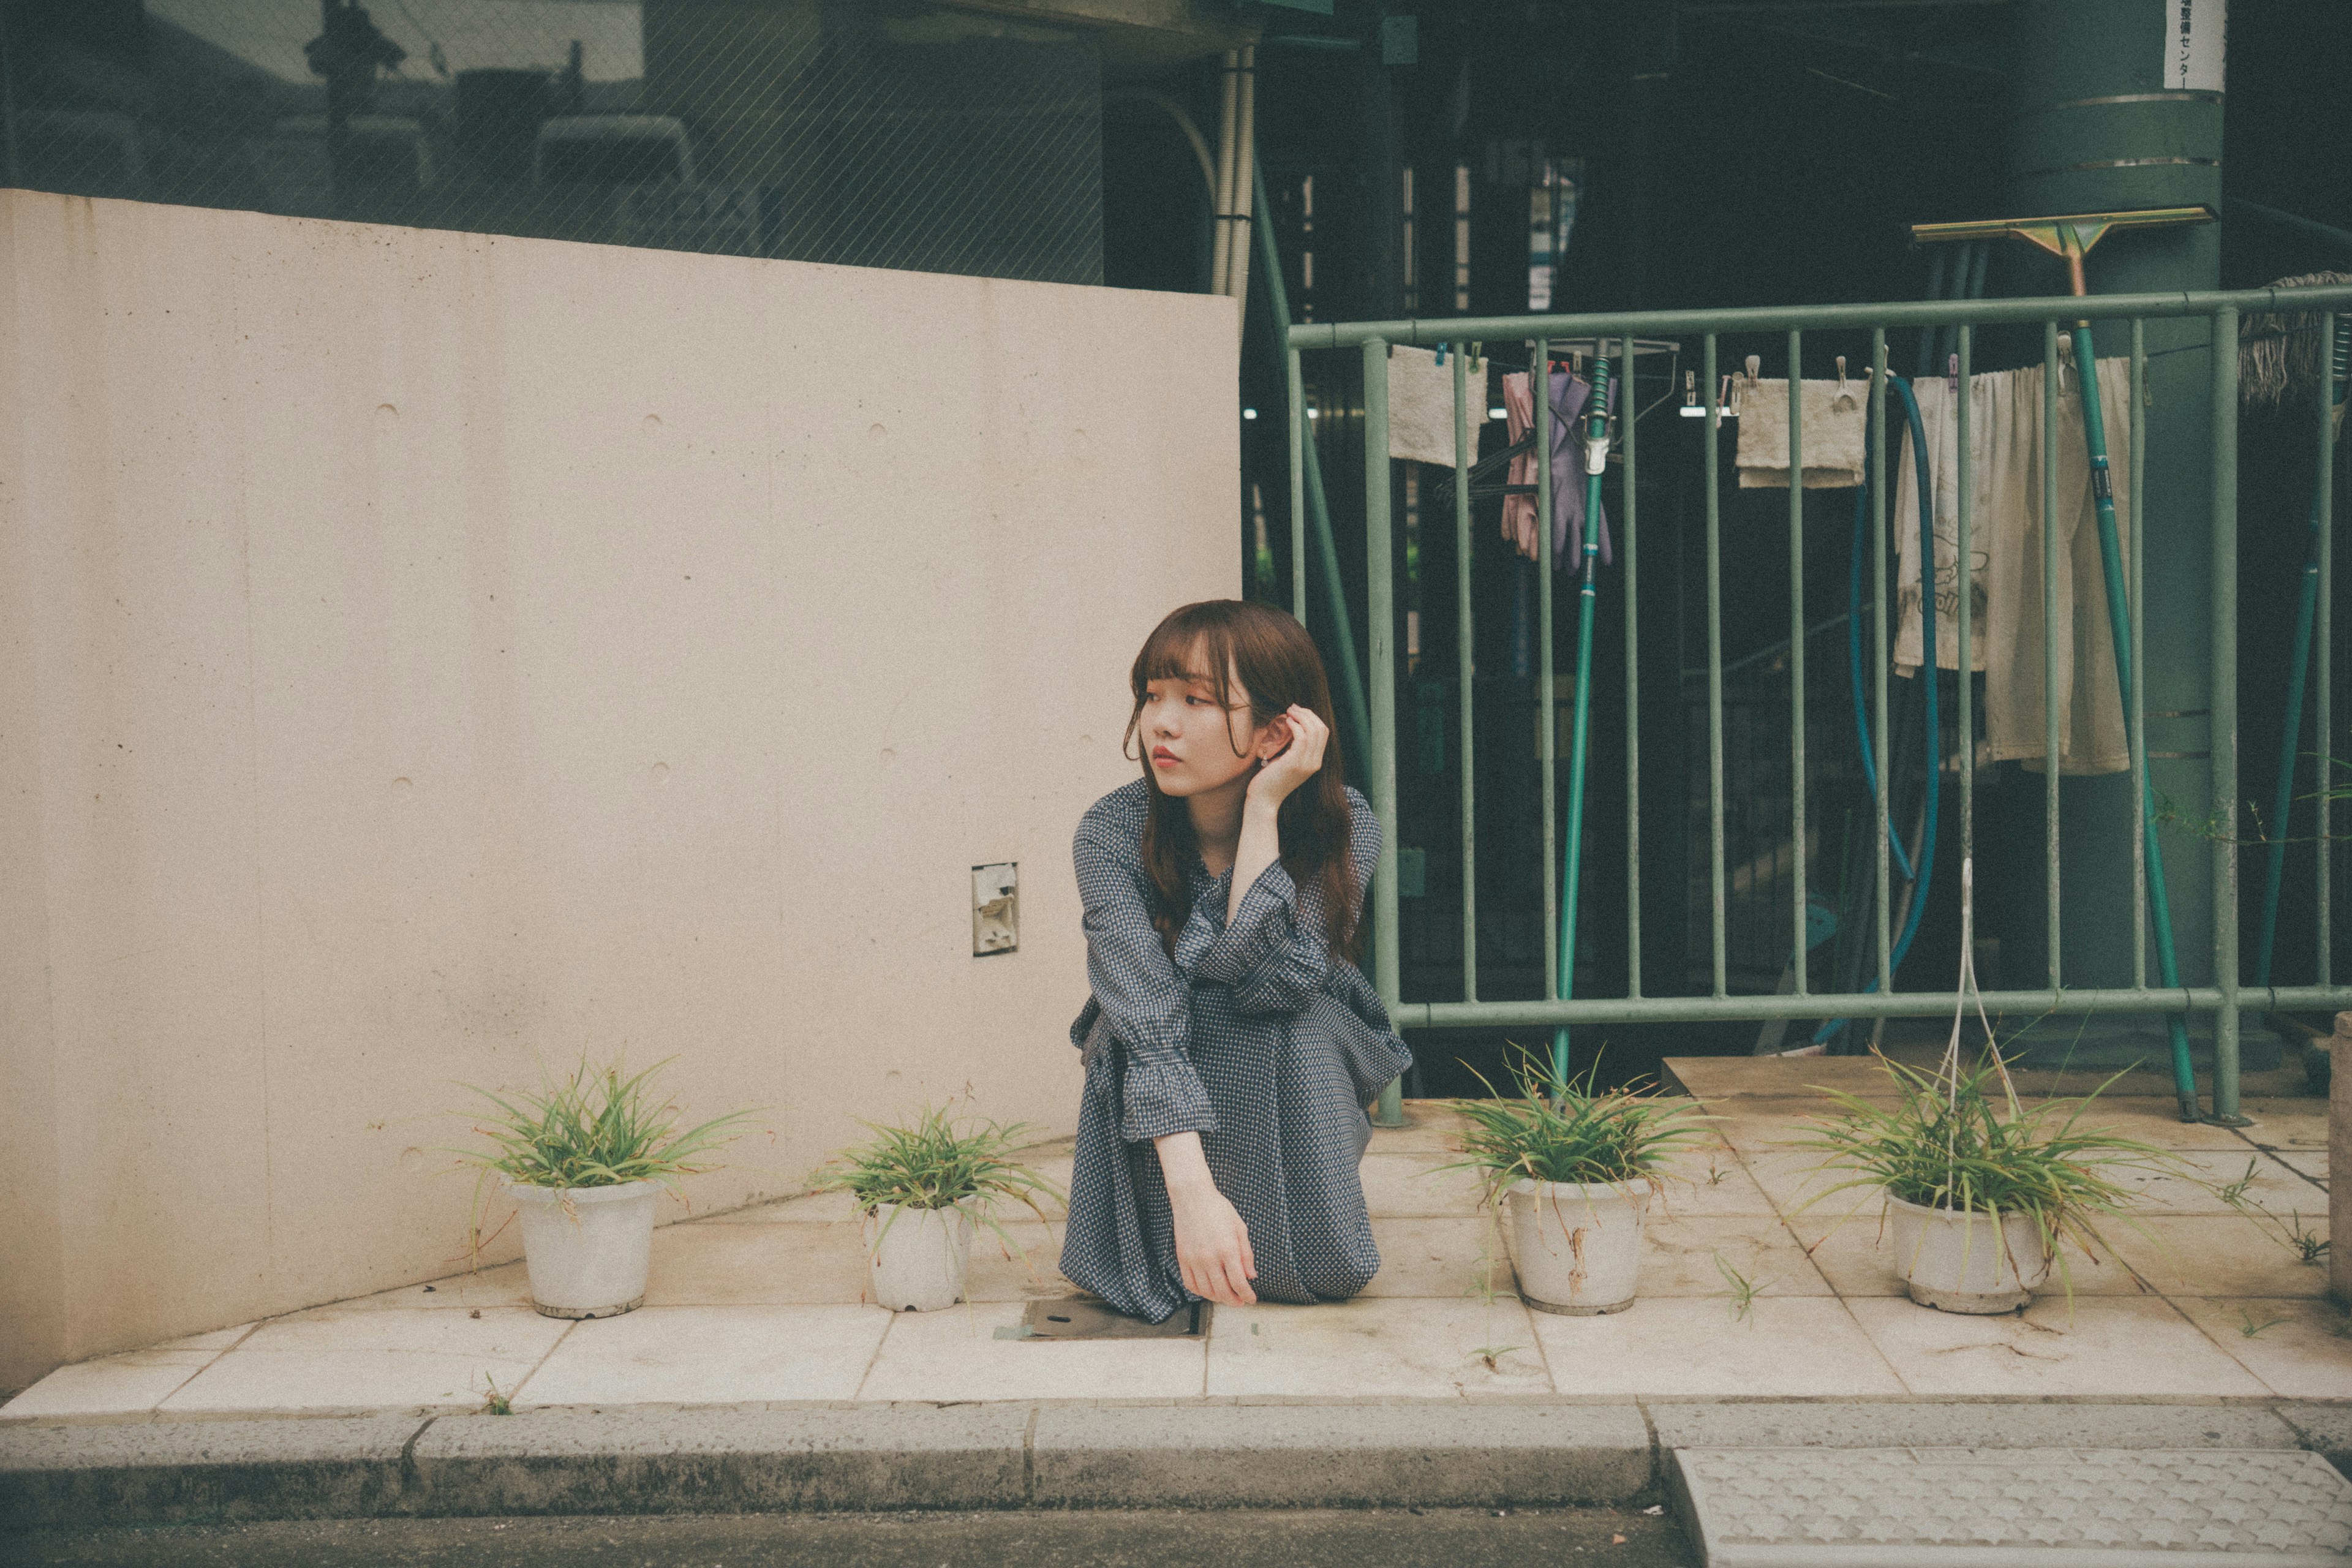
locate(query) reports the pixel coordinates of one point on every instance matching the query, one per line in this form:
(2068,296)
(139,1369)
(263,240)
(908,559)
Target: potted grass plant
(1984,1192)
(583,1161)
(1568,1169)
(920,1187)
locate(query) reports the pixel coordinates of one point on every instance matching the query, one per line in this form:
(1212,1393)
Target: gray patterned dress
(1255,1036)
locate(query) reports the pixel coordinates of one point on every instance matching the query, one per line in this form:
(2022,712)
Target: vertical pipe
(1715,675)
(1221,243)
(1964,627)
(1632,685)
(1880,742)
(1297,395)
(1244,210)
(2224,570)
(1547,715)
(1796,654)
(2324,637)
(1379,625)
(1278,301)
(2049,641)
(2138,715)
(1466,674)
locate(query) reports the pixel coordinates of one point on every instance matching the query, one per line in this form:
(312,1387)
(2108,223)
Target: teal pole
(1596,460)
(2120,614)
(2333,344)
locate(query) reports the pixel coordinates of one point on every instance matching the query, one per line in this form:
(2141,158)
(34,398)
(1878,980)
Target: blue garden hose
(1924,873)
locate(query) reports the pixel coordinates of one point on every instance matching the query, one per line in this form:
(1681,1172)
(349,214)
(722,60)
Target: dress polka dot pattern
(1255,1036)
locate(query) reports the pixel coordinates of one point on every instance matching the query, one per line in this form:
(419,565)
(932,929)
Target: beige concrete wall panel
(453,653)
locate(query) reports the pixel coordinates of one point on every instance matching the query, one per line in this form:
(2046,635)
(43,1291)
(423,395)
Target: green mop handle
(1596,460)
(2306,610)
(2095,436)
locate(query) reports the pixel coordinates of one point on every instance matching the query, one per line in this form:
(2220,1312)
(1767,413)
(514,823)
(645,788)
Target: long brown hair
(1218,640)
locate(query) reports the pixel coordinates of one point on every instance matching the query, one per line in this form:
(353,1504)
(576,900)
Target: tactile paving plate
(2011,1507)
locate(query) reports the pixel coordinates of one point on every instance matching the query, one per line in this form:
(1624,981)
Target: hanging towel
(1421,405)
(2005,559)
(1569,394)
(1837,418)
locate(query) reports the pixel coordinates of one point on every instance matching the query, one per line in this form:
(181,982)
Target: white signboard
(2193,44)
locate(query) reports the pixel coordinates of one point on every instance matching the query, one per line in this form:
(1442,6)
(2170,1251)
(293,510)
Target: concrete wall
(426,655)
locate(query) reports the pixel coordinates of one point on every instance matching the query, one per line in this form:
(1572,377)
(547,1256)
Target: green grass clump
(594,1129)
(929,1164)
(1567,1130)
(1945,1143)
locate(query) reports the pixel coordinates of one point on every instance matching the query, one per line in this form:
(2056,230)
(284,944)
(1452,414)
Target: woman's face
(1192,745)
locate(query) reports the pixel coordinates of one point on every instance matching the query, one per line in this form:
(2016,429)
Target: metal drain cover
(1078,1319)
(2011,1507)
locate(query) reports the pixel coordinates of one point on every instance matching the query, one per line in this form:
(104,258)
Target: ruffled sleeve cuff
(1160,1100)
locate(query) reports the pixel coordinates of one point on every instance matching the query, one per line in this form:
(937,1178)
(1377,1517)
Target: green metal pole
(2224,655)
(1380,608)
(2333,347)
(2119,632)
(1596,461)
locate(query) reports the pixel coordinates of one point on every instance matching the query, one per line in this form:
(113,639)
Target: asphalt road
(1387,1538)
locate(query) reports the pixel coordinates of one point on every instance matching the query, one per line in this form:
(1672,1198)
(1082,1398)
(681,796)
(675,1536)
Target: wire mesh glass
(897,135)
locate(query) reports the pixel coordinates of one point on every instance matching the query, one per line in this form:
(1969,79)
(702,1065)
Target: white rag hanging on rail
(1421,405)
(1837,418)
(2005,551)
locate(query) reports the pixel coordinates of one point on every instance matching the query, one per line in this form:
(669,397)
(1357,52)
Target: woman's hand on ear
(1296,762)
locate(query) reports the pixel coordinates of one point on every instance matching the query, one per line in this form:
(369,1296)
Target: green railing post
(1797,657)
(1715,674)
(1380,629)
(2224,655)
(1626,507)
(2050,643)
(2323,631)
(1464,648)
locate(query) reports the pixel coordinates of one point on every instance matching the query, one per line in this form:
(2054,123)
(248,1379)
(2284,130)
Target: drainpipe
(1228,105)
(1237,265)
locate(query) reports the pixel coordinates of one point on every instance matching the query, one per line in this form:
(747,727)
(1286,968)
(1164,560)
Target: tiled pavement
(763,1305)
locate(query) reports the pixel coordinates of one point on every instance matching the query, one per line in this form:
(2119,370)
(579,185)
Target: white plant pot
(919,1258)
(1958,1262)
(586,1248)
(1578,1249)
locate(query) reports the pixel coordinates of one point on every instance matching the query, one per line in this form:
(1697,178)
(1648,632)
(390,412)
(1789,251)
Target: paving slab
(2011,1507)
(1377,1347)
(1779,1346)
(391,1358)
(958,1355)
(2298,1347)
(709,1355)
(56,1474)
(2094,1347)
(1340,1455)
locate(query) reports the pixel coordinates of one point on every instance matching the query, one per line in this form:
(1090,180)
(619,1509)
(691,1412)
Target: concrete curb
(1016,1455)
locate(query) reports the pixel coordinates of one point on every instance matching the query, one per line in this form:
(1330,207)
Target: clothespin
(1952,375)
(1691,410)
(1844,391)
(1755,362)
(1440,355)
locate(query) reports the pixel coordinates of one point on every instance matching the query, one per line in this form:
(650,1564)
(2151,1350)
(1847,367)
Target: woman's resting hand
(1213,1247)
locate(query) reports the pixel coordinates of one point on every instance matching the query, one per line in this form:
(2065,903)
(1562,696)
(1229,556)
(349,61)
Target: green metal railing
(1615,332)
